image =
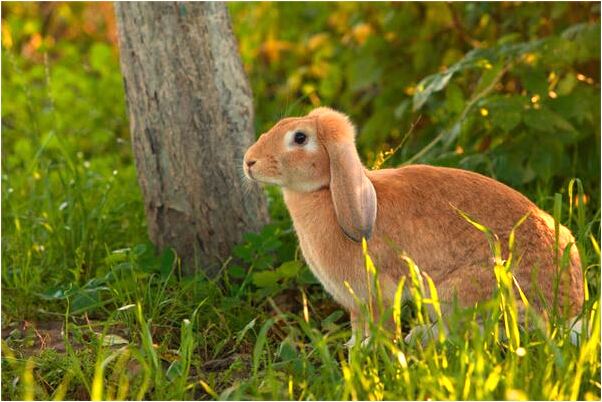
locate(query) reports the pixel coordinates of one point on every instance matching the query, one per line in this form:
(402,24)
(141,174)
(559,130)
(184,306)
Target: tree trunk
(191,118)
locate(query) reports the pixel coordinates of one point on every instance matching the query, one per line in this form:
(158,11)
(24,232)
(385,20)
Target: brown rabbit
(334,202)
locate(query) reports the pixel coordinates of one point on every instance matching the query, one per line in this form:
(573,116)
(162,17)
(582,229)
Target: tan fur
(415,213)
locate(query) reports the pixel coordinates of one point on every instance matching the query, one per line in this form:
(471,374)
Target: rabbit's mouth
(258,177)
(248,173)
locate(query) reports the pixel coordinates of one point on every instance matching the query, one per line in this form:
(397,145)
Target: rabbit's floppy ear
(353,194)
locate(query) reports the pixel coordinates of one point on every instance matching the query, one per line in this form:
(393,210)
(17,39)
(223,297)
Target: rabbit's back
(417,214)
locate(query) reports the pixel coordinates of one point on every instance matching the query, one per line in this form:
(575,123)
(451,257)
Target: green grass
(134,328)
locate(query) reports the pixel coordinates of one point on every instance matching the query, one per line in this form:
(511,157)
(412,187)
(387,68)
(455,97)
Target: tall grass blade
(28,387)
(260,344)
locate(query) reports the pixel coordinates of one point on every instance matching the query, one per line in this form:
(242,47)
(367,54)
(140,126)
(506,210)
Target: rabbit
(334,202)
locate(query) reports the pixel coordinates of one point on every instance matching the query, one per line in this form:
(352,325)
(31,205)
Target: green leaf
(546,120)
(534,80)
(548,159)
(289,269)
(587,36)
(236,271)
(436,82)
(306,277)
(505,112)
(244,252)
(579,105)
(58,292)
(488,76)
(86,300)
(265,279)
(428,86)
(510,167)
(454,99)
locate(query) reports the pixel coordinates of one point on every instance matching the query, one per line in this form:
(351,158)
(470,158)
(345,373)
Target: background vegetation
(511,90)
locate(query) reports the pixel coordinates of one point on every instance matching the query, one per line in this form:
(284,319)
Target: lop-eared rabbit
(334,202)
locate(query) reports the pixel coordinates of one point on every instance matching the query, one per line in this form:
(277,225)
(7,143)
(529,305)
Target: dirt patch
(33,337)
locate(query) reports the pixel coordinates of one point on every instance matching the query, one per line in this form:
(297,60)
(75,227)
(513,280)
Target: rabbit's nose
(250,163)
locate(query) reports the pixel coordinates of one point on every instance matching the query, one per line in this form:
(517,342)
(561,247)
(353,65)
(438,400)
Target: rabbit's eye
(300,138)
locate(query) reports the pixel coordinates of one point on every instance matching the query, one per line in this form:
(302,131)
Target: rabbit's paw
(423,334)
(576,334)
(351,342)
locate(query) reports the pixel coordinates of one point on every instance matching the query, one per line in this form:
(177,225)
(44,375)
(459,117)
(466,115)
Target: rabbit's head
(315,152)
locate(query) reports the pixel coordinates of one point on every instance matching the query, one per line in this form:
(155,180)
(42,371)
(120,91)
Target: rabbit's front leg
(425,333)
(358,328)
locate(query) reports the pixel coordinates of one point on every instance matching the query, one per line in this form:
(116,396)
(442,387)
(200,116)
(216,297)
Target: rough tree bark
(191,118)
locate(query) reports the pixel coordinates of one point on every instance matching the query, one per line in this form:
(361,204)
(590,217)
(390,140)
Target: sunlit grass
(482,353)
(70,256)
